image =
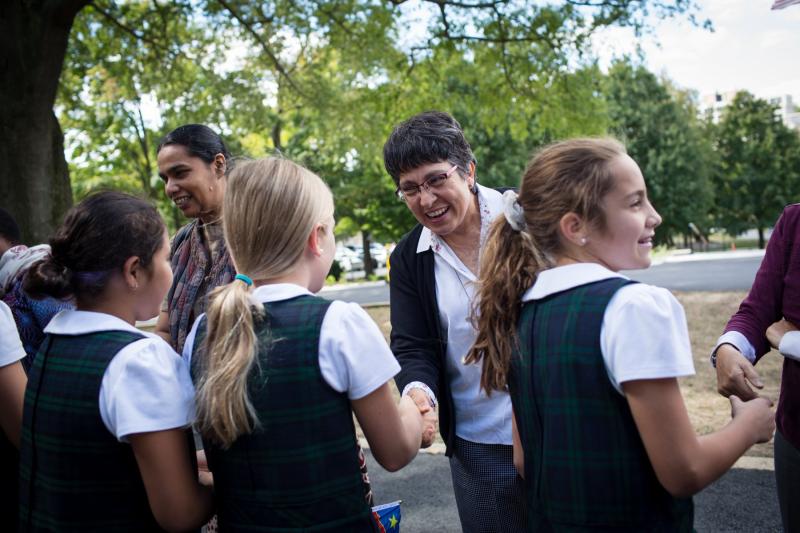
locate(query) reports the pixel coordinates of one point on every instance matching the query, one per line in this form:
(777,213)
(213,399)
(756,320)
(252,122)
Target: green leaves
(759,165)
(324,81)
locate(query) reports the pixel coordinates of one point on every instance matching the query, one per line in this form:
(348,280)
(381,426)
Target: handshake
(418,400)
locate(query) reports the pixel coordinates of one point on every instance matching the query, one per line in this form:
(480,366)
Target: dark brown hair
(95,239)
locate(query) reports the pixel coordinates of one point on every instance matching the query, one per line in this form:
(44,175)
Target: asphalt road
(720,272)
(743,500)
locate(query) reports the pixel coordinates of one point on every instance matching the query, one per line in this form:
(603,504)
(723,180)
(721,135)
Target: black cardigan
(417,339)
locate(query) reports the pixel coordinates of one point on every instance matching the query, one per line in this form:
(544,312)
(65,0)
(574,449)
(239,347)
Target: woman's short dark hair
(199,140)
(96,238)
(426,138)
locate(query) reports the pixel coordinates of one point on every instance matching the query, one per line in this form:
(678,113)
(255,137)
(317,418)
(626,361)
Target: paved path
(743,500)
(715,271)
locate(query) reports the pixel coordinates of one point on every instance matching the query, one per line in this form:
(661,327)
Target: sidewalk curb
(355,285)
(707,256)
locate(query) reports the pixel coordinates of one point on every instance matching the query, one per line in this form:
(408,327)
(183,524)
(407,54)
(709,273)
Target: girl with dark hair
(193,162)
(105,444)
(590,358)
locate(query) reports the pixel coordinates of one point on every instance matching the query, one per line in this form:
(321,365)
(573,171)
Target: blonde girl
(279,371)
(105,439)
(590,358)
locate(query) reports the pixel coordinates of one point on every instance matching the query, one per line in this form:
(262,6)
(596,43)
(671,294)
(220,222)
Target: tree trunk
(761,241)
(367,255)
(34,179)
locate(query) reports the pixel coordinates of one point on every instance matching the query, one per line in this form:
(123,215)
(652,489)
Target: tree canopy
(321,80)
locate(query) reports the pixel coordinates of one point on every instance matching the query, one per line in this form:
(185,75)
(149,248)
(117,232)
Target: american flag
(780,4)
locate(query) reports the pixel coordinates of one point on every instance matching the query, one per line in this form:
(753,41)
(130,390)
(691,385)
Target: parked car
(378,253)
(348,259)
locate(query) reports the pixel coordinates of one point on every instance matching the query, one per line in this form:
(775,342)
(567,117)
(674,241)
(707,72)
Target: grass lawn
(707,313)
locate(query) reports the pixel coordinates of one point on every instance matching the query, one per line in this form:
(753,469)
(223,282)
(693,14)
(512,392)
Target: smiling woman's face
(442,210)
(196,187)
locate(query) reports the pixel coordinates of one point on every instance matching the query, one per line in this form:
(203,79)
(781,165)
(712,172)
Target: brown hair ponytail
(569,176)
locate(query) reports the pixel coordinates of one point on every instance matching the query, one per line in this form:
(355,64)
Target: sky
(751,48)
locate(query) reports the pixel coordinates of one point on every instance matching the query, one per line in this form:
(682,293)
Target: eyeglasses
(410,190)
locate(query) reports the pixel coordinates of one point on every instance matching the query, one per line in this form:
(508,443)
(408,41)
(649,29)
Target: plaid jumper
(298,470)
(585,464)
(74,474)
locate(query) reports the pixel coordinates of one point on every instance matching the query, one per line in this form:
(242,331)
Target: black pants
(787,479)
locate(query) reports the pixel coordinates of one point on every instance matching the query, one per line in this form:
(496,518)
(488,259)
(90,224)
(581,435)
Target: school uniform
(11,351)
(298,469)
(583,332)
(95,381)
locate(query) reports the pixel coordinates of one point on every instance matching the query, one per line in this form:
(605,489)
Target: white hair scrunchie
(513,212)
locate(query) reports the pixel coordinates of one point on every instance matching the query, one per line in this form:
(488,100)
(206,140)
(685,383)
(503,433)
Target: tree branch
(127,29)
(267,49)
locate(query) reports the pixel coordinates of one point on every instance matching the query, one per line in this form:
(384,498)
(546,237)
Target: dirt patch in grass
(706,313)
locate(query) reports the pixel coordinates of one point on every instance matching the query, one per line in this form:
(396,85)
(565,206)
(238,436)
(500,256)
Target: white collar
(74,322)
(490,205)
(565,277)
(275,292)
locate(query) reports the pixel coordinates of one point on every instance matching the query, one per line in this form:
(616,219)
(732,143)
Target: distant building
(713,104)
(788,110)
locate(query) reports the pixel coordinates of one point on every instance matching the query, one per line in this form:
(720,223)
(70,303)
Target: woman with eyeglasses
(432,288)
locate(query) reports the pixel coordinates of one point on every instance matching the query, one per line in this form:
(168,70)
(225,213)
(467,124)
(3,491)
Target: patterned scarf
(195,275)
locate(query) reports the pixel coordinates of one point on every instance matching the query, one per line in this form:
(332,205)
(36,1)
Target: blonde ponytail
(224,410)
(271,206)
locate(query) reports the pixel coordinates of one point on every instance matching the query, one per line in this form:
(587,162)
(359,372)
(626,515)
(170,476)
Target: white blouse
(644,333)
(11,349)
(146,386)
(353,355)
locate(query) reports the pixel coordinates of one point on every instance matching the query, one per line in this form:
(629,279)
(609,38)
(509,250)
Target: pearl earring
(583,241)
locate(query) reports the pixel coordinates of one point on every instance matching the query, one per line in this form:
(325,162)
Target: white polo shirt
(353,355)
(644,333)
(11,349)
(146,386)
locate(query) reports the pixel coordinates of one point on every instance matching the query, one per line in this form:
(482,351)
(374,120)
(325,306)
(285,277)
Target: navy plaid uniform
(299,469)
(585,463)
(74,474)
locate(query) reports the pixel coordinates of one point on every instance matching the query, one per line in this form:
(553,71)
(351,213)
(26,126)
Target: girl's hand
(204,475)
(760,414)
(777,330)
(429,417)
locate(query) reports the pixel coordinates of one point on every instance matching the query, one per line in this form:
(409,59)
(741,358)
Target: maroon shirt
(775,294)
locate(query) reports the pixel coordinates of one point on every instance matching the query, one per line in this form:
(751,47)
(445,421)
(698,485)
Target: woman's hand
(777,330)
(735,374)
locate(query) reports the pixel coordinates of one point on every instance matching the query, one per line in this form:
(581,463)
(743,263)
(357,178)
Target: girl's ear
(315,240)
(133,272)
(573,228)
